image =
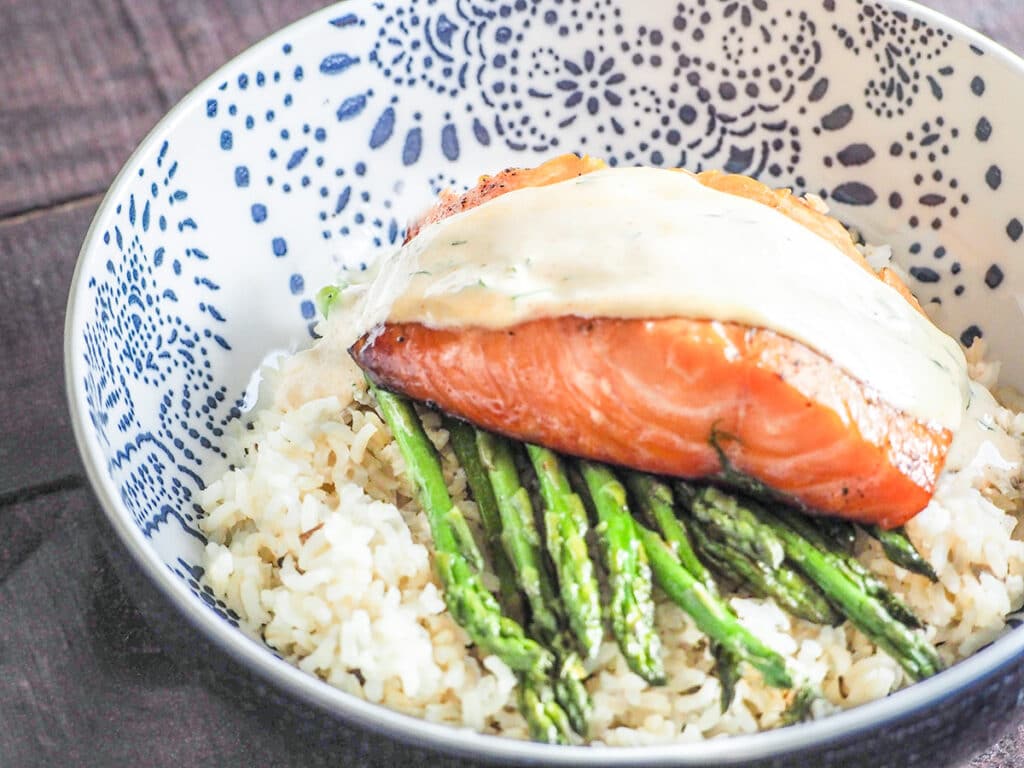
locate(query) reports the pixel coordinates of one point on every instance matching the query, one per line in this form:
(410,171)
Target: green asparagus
(841,533)
(565,524)
(546,720)
(523,545)
(655,502)
(854,590)
(869,611)
(790,590)
(901,550)
(712,615)
(519,536)
(799,708)
(656,505)
(629,576)
(463,438)
(727,669)
(471,605)
(855,571)
(570,692)
(753,543)
(732,522)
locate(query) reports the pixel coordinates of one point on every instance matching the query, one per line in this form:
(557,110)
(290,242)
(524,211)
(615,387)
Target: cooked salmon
(674,396)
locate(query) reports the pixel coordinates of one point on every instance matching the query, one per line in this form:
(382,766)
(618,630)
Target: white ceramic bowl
(314,148)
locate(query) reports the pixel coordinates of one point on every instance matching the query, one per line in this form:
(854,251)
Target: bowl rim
(418,732)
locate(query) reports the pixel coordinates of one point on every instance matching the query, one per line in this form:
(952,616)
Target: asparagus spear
(857,573)
(727,670)
(731,522)
(656,504)
(799,708)
(841,533)
(523,545)
(546,720)
(901,550)
(654,499)
(712,616)
(570,692)
(519,535)
(629,576)
(851,588)
(471,605)
(463,438)
(791,590)
(565,523)
(816,607)
(831,571)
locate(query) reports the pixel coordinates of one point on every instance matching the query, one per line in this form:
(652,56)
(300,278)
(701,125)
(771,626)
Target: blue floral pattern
(309,154)
(590,83)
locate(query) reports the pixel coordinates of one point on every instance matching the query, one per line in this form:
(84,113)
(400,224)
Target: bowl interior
(310,152)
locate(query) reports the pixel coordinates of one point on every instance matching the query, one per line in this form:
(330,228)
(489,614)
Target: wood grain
(85,684)
(27,522)
(37,258)
(82,680)
(80,86)
(75,96)
(188,40)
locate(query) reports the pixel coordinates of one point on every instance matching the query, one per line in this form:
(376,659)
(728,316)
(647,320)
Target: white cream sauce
(645,243)
(980,438)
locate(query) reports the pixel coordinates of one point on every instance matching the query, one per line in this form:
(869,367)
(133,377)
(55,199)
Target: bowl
(313,149)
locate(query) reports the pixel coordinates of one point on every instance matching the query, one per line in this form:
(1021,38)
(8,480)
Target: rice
(315,541)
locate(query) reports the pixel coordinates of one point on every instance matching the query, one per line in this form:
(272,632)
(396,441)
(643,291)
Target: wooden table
(82,680)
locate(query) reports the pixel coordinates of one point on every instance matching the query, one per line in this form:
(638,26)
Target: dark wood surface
(82,679)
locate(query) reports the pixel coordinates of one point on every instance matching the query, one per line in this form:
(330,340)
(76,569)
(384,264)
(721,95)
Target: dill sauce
(649,243)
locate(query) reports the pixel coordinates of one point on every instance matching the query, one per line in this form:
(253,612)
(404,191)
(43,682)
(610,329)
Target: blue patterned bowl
(314,148)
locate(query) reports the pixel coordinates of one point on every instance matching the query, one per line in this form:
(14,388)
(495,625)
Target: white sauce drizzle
(646,243)
(980,438)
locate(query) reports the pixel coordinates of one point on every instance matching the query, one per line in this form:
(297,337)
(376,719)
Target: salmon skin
(674,396)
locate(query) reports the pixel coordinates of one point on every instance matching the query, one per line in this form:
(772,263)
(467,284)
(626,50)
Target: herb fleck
(527,294)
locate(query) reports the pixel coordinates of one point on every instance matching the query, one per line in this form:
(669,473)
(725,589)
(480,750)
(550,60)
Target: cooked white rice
(315,541)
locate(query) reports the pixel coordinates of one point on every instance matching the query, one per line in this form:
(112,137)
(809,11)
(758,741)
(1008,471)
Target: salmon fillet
(674,396)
